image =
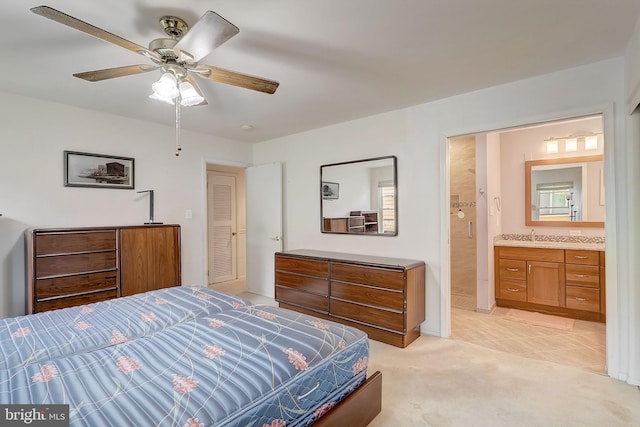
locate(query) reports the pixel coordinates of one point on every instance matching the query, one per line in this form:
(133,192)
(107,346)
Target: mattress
(242,366)
(52,334)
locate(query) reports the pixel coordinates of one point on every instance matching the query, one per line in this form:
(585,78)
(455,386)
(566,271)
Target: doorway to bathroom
(487,199)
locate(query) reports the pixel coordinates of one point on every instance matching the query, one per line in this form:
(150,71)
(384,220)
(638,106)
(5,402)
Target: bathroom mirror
(360,197)
(564,192)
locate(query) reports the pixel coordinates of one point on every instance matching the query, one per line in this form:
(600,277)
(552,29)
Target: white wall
(34,136)
(417,136)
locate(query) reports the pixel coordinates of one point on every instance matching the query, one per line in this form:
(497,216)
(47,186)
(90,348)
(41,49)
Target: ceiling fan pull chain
(178,145)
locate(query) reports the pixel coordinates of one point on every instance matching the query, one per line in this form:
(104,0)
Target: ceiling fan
(176,56)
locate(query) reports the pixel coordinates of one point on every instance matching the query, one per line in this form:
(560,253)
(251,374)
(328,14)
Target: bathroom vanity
(560,278)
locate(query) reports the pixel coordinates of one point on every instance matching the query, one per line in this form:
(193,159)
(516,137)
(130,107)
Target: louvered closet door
(222,227)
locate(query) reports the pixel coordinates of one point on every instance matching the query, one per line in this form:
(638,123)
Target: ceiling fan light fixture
(164,99)
(167,86)
(189,96)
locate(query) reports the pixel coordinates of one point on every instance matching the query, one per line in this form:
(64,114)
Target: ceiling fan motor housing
(164,47)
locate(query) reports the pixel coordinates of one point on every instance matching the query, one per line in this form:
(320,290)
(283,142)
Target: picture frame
(98,170)
(330,190)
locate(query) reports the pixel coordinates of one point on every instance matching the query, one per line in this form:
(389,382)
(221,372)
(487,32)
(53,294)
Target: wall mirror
(360,197)
(565,192)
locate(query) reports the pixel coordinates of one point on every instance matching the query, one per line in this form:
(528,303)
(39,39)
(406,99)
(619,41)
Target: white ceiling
(336,60)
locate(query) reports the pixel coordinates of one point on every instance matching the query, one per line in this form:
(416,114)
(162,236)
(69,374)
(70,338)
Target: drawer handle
(582,299)
(580,256)
(582,275)
(513,290)
(512,269)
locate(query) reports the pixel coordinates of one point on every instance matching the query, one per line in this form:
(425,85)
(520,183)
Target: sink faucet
(532,235)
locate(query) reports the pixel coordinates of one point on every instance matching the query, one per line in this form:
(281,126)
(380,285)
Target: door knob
(233,233)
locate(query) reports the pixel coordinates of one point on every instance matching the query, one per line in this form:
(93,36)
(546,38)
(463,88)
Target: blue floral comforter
(181,357)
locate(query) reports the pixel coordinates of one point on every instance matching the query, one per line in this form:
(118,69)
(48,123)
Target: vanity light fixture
(552,147)
(591,142)
(571,144)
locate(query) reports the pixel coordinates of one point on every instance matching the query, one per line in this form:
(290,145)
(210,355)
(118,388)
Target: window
(387,203)
(554,199)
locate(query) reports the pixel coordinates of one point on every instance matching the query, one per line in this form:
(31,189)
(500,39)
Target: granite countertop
(551,242)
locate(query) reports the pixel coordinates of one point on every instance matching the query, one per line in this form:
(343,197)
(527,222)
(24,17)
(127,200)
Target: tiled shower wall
(462,154)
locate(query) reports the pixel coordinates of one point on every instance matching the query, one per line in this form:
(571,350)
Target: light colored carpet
(449,383)
(539,319)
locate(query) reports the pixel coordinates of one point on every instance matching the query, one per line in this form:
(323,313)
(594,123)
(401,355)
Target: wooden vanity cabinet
(385,297)
(563,282)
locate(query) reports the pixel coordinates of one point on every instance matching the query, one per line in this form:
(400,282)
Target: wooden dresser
(74,266)
(563,282)
(384,297)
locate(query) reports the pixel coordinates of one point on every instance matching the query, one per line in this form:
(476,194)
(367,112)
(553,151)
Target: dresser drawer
(380,277)
(315,268)
(584,275)
(513,269)
(63,243)
(580,298)
(60,286)
(373,316)
(303,299)
(74,264)
(54,304)
(573,256)
(306,283)
(515,290)
(368,295)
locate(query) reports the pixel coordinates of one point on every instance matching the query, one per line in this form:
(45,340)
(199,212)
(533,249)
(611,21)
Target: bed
(188,356)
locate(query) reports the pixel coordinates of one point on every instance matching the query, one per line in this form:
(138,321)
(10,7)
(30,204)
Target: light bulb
(189,95)
(161,98)
(166,87)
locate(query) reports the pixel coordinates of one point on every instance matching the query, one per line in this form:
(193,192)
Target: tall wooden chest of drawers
(384,297)
(73,266)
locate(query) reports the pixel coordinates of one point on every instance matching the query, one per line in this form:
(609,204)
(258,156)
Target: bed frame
(359,408)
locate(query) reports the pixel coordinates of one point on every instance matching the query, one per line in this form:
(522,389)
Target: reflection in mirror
(563,191)
(360,197)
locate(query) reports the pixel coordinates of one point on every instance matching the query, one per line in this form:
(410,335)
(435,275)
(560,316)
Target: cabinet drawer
(368,295)
(580,298)
(62,243)
(515,290)
(74,264)
(305,283)
(303,266)
(370,315)
(582,257)
(75,301)
(531,254)
(302,299)
(380,277)
(513,269)
(585,275)
(59,286)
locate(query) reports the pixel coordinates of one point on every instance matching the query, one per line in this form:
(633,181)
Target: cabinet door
(545,283)
(150,259)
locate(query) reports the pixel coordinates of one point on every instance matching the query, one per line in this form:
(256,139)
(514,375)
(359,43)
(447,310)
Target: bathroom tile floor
(584,346)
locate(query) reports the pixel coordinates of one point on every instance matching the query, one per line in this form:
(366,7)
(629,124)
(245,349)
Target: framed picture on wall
(98,170)
(330,190)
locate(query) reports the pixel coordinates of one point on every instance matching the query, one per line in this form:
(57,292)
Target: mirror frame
(527,187)
(395,187)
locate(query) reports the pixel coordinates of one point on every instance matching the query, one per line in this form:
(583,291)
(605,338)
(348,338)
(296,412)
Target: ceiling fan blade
(72,22)
(207,34)
(237,79)
(111,73)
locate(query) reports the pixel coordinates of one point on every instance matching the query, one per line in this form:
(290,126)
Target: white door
(221,198)
(264,226)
